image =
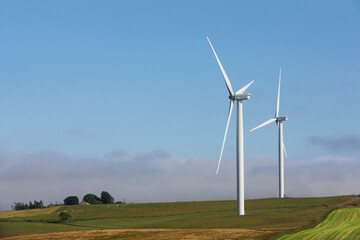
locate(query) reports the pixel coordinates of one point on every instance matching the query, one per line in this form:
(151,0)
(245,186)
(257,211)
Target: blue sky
(86,78)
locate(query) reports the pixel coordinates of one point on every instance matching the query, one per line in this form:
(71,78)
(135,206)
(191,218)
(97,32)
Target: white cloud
(157,176)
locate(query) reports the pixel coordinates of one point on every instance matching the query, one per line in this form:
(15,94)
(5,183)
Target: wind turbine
(282,150)
(239,96)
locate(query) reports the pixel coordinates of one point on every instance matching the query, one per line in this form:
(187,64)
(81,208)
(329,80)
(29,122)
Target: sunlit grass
(340,224)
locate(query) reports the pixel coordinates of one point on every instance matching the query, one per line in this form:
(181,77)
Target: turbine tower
(239,96)
(282,150)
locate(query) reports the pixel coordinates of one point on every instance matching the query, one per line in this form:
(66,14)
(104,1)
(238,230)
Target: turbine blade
(227,81)
(284,149)
(264,124)
(278,98)
(244,88)
(226,130)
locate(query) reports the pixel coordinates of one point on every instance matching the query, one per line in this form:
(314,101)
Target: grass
(27,213)
(25,228)
(340,224)
(264,217)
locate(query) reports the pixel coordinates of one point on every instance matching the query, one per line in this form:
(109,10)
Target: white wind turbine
(239,96)
(282,150)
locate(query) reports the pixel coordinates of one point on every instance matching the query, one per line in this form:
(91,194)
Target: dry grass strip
(151,234)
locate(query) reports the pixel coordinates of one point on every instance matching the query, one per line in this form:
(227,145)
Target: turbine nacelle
(280,119)
(240,97)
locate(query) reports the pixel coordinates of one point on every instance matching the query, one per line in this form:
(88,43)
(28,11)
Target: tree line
(31,205)
(105,198)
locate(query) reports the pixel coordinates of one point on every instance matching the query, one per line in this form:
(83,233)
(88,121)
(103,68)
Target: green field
(265,218)
(341,224)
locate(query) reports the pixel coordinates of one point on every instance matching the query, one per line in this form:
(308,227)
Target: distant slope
(27,213)
(340,224)
(264,217)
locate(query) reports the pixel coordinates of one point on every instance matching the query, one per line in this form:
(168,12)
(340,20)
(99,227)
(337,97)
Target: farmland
(265,218)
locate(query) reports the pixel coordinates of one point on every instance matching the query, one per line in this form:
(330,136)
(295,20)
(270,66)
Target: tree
(38,204)
(64,217)
(20,206)
(106,198)
(92,199)
(71,200)
(31,205)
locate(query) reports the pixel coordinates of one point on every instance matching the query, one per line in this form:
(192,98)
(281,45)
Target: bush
(92,199)
(106,198)
(64,217)
(71,200)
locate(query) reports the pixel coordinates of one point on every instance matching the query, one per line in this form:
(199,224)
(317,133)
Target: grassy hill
(265,218)
(340,224)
